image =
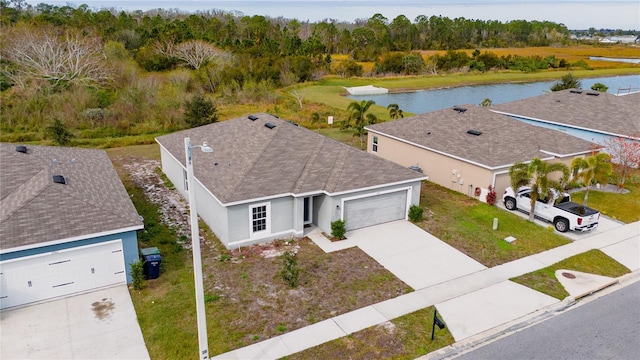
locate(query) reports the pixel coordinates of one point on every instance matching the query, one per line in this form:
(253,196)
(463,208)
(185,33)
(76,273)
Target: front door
(308,210)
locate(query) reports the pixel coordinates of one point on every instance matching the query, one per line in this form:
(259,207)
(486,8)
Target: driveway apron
(97,325)
(413,255)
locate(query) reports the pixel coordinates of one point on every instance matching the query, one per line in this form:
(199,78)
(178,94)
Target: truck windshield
(564,199)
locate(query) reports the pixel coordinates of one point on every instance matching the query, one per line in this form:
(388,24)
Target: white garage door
(61,273)
(373,210)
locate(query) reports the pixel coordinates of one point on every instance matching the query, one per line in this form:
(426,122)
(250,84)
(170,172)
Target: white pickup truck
(558,209)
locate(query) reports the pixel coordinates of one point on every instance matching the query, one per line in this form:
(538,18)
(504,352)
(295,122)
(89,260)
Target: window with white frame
(375,144)
(259,216)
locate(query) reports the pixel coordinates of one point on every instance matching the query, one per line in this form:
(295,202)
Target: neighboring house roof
(602,112)
(503,142)
(251,161)
(34,210)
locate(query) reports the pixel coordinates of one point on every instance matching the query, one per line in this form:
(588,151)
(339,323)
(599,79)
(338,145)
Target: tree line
(110,73)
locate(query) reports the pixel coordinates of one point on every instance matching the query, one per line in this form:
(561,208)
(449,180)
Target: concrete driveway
(605,223)
(97,325)
(412,254)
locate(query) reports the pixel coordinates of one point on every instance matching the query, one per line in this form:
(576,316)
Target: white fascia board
(70,239)
(564,124)
(565,155)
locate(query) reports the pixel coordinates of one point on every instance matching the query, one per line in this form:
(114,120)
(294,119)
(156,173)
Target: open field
(571,54)
(592,262)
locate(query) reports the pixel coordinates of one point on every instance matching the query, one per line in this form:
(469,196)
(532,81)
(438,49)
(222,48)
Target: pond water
(423,101)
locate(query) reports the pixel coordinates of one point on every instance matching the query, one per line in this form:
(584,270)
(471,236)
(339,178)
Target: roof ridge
(265,144)
(337,170)
(93,204)
(304,174)
(22,195)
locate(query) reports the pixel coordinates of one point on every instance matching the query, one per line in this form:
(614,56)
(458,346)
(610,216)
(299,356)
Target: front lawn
(247,300)
(466,224)
(592,262)
(622,207)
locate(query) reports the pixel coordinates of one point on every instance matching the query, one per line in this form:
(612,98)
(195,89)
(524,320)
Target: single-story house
(268,179)
(587,114)
(467,148)
(67,224)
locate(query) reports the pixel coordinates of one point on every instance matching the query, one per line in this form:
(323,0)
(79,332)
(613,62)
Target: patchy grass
(406,337)
(593,262)
(466,224)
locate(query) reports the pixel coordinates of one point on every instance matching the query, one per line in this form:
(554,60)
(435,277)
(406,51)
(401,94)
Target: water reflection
(423,101)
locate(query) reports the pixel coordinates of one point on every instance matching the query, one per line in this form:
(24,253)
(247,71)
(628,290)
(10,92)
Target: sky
(575,14)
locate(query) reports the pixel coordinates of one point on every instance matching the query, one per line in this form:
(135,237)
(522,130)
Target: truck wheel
(562,225)
(510,203)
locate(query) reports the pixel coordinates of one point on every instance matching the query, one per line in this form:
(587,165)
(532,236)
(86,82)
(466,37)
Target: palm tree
(360,118)
(595,167)
(537,174)
(395,111)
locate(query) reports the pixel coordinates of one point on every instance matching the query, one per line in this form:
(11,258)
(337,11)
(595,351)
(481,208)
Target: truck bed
(577,209)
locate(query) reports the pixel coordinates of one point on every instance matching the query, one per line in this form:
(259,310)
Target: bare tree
(299,95)
(57,58)
(196,53)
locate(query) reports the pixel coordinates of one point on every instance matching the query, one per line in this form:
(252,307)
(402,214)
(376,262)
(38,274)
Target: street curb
(471,343)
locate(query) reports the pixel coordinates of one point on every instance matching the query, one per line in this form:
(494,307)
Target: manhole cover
(568,275)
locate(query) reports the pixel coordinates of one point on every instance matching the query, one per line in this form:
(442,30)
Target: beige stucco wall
(443,170)
(447,171)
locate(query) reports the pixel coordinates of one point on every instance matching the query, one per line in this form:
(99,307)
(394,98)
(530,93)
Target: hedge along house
(586,114)
(67,224)
(467,148)
(269,179)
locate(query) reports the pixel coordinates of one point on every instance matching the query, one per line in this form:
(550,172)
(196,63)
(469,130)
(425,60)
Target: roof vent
(269,125)
(292,123)
(21,149)
(460,109)
(593,93)
(252,117)
(474,132)
(416,168)
(59,179)
(575,91)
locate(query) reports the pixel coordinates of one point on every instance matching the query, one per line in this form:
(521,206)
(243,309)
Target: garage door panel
(61,273)
(375,210)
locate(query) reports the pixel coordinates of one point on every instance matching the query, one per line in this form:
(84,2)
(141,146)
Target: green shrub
(200,111)
(137,273)
(415,213)
(338,229)
(59,133)
(290,271)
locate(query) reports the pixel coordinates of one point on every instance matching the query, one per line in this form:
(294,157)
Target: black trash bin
(151,262)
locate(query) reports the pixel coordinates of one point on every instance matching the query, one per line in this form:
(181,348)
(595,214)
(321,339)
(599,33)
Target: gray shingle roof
(34,209)
(254,161)
(503,141)
(605,112)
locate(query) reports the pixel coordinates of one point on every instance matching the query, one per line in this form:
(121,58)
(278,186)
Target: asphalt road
(605,328)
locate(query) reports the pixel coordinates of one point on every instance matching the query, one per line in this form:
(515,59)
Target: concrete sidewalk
(506,302)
